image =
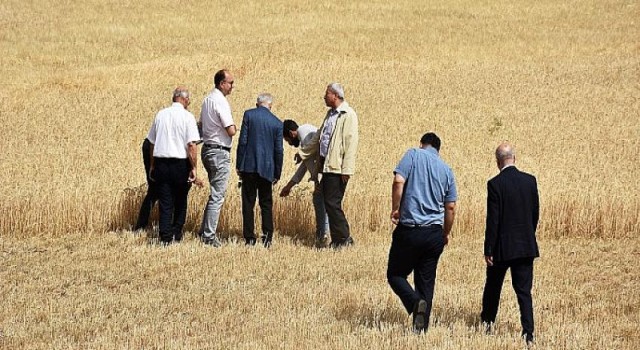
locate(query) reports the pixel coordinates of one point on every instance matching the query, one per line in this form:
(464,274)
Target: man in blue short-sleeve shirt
(423,208)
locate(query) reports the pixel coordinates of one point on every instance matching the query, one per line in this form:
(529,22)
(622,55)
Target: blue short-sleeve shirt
(429,183)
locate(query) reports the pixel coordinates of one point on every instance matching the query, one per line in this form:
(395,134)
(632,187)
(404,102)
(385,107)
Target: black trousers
(522,281)
(152,192)
(333,192)
(252,185)
(171,176)
(416,249)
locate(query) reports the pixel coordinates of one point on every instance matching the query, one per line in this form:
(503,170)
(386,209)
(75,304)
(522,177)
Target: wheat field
(83,80)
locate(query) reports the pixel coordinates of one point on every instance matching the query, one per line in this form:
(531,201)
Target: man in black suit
(259,164)
(510,238)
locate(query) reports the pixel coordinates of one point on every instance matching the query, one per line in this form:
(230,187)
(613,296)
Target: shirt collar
(342,107)
(507,166)
(432,150)
(177,104)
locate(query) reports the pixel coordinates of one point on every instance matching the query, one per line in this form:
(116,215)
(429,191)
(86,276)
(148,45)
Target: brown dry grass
(82,82)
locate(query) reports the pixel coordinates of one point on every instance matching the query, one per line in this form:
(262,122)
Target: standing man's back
(259,163)
(513,210)
(217,132)
(423,201)
(173,152)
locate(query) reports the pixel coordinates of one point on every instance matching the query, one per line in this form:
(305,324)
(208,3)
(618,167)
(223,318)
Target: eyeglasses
(229,82)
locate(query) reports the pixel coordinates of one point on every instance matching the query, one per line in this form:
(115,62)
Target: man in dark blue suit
(513,209)
(259,164)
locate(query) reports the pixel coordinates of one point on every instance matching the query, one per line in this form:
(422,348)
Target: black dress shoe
(420,317)
(528,338)
(249,241)
(347,242)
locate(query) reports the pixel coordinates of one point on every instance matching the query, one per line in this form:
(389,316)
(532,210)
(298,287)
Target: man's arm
(242,142)
(536,205)
(491,229)
(278,154)
(231,130)
(192,154)
(350,143)
(396,197)
(449,216)
(151,161)
(295,179)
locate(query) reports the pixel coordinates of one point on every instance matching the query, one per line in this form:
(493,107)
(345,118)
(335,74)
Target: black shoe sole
(420,317)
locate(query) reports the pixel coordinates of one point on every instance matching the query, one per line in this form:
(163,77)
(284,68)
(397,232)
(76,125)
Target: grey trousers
(217,162)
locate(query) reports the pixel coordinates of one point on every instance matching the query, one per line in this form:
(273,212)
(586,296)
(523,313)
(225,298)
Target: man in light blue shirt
(423,208)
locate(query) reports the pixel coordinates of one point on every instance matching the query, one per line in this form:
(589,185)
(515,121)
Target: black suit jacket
(513,209)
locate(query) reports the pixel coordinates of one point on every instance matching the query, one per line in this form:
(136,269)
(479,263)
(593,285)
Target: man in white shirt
(301,136)
(173,151)
(218,129)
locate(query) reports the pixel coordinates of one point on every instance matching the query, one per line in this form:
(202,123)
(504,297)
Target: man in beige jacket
(335,145)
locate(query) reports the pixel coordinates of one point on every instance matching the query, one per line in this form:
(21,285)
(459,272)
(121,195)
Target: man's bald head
(505,155)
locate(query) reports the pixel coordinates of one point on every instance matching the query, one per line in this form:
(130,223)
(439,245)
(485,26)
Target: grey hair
(264,98)
(505,151)
(180,92)
(338,89)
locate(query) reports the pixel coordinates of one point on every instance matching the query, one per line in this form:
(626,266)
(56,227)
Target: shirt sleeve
(151,136)
(452,191)
(406,163)
(225,114)
(192,130)
(491,227)
(297,177)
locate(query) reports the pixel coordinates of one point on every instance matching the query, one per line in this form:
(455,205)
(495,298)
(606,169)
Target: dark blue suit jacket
(513,209)
(260,147)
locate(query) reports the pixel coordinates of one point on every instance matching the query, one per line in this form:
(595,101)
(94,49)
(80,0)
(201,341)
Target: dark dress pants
(252,185)
(152,193)
(415,249)
(333,189)
(171,176)
(522,281)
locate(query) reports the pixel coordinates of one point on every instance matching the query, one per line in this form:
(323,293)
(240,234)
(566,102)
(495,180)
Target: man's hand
(151,169)
(395,216)
(286,190)
(192,175)
(488,260)
(297,158)
(275,181)
(345,179)
(199,182)
(446,239)
(316,188)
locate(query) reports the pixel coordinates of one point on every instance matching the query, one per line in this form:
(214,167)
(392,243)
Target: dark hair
(287,126)
(219,77)
(431,139)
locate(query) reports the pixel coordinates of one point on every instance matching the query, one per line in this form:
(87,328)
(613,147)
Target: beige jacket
(343,146)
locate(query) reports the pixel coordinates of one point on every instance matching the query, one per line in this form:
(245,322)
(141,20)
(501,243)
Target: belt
(423,226)
(216,146)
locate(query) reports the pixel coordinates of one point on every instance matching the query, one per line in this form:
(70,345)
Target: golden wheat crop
(83,80)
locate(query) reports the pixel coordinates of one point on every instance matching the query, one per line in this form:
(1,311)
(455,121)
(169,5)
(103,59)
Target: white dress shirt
(172,130)
(216,118)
